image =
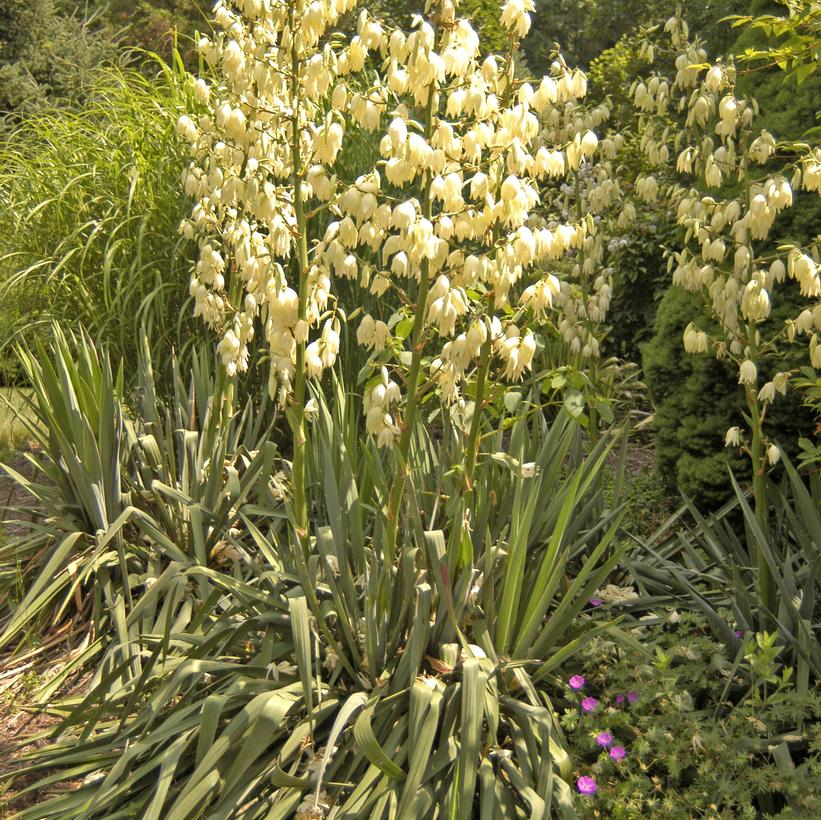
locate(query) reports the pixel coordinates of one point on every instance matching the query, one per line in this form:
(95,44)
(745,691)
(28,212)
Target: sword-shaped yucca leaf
(45,586)
(527,496)
(588,578)
(423,721)
(474,681)
(169,760)
(525,791)
(326,544)
(417,641)
(261,735)
(541,592)
(231,747)
(298,607)
(371,748)
(351,707)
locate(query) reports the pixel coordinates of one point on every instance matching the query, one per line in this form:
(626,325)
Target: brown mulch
(23,724)
(639,458)
(15,503)
(24,728)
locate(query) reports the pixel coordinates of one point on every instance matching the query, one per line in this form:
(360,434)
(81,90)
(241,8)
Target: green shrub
(47,57)
(158,25)
(88,231)
(697,400)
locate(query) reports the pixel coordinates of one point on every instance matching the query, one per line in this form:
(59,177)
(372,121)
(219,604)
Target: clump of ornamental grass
(88,230)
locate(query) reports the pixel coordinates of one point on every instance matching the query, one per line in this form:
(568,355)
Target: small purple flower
(604,739)
(595,602)
(576,682)
(589,704)
(618,753)
(738,633)
(632,696)
(586,785)
(619,699)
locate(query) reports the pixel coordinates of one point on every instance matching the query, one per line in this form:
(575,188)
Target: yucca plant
(711,564)
(121,491)
(347,681)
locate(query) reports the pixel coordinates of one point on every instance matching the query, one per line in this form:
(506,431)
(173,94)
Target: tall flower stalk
(263,145)
(297,413)
(731,180)
(453,205)
(417,349)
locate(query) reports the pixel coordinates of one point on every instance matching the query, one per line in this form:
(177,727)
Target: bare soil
(23,724)
(23,729)
(17,505)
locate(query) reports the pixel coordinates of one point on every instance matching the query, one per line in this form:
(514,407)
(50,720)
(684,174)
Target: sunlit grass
(88,229)
(13,432)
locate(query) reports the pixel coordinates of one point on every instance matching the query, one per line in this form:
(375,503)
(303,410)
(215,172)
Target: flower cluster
(734,186)
(263,147)
(451,211)
(458,220)
(586,187)
(604,740)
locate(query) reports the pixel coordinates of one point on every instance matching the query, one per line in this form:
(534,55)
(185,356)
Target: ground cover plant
(340,507)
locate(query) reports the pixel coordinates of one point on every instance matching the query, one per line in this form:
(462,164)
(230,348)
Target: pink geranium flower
(618,753)
(586,785)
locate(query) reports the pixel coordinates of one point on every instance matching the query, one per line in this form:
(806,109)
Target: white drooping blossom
(277,78)
(733,437)
(381,399)
(729,186)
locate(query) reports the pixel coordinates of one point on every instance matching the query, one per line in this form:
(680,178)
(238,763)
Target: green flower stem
(476,421)
(593,415)
(460,551)
(766,582)
(297,412)
(417,346)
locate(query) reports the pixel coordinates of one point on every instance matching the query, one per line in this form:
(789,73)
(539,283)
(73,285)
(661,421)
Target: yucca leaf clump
(252,678)
(371,623)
